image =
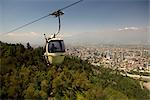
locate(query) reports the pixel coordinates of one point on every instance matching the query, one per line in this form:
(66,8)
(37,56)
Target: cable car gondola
(55,48)
(54,51)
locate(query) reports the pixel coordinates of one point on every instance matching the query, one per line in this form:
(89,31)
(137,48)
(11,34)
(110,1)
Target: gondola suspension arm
(58,14)
(59,25)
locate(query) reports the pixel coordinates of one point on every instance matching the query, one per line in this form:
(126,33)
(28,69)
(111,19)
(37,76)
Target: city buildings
(115,57)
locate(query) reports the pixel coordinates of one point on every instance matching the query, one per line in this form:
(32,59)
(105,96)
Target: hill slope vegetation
(24,74)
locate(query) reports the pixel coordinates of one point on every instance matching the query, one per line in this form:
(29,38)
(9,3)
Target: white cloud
(129,29)
(33,33)
(30,34)
(22,37)
(11,34)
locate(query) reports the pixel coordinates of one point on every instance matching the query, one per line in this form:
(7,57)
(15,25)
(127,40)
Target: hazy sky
(90,21)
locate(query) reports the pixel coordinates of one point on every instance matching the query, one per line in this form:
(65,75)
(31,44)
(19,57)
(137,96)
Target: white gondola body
(56,57)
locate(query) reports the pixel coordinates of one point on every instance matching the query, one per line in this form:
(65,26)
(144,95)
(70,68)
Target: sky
(89,22)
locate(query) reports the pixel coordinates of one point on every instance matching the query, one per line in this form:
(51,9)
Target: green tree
(29,92)
(29,46)
(112,94)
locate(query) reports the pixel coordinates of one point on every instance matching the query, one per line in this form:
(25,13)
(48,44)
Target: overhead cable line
(57,13)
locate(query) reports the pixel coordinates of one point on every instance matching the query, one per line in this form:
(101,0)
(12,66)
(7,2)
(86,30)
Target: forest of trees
(25,75)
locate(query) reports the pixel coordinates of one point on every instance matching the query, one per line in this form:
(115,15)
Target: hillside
(24,74)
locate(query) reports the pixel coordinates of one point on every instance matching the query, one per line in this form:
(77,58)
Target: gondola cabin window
(55,46)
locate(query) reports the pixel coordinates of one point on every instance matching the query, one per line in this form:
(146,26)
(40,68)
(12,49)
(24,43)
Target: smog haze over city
(89,22)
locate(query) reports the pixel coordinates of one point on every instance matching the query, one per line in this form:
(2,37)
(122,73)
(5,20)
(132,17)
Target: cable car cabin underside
(55,58)
(55,51)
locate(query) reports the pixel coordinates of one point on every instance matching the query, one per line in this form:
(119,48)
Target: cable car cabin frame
(55,51)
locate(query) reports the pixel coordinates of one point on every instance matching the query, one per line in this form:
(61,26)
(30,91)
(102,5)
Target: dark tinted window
(56,46)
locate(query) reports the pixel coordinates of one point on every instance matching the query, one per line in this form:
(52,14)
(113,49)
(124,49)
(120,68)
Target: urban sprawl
(122,58)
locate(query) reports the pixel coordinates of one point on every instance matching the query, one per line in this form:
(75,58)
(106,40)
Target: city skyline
(90,21)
